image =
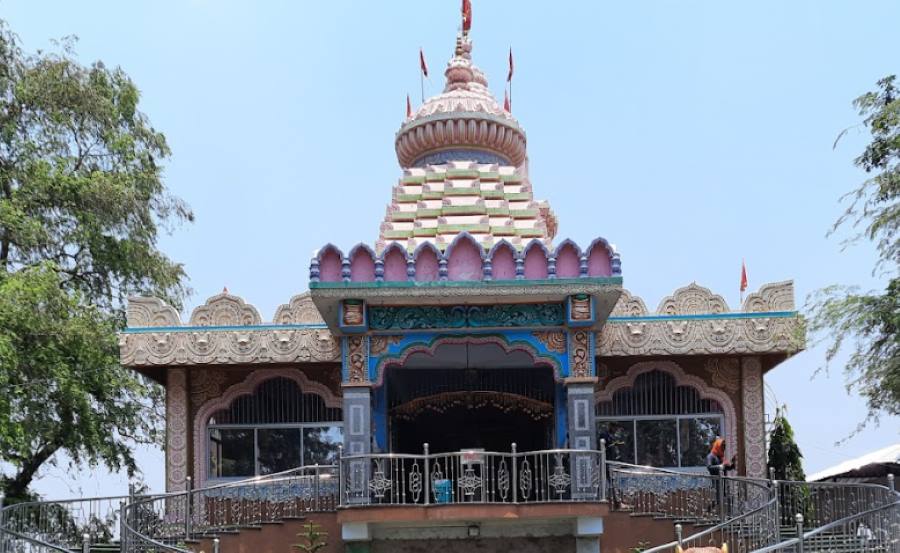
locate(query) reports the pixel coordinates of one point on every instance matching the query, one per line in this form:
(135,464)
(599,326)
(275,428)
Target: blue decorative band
(705,317)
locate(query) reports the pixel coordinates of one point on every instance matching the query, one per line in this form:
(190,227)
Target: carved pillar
(176,429)
(357,414)
(582,417)
(357,441)
(754,424)
(582,434)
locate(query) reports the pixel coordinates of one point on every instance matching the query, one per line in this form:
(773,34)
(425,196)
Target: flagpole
(422,84)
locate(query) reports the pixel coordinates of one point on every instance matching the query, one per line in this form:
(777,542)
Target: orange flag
(408,108)
(743,276)
(466,15)
(510,74)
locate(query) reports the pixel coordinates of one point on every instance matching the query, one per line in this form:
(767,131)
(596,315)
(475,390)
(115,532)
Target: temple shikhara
(467,380)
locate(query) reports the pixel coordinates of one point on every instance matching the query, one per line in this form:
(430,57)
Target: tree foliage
(868,322)
(785,460)
(314,538)
(82,202)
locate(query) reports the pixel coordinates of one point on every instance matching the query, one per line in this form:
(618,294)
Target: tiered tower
(465,169)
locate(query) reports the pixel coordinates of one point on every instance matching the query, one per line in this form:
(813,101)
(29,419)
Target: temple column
(176,429)
(754,423)
(357,404)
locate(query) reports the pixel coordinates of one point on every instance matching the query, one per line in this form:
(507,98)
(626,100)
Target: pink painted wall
(426,265)
(504,263)
(567,262)
(535,263)
(362,266)
(394,266)
(465,261)
(330,266)
(598,261)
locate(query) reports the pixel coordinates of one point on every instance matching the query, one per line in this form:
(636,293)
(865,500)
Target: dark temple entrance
(456,408)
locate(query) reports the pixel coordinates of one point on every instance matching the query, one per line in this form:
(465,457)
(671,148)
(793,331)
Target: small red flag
(422,63)
(466,15)
(408,108)
(510,74)
(506,105)
(743,276)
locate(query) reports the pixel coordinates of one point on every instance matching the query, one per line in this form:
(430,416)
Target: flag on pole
(509,75)
(422,63)
(506,105)
(408,108)
(743,276)
(466,15)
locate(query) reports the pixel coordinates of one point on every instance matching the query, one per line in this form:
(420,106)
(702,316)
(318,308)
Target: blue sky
(690,134)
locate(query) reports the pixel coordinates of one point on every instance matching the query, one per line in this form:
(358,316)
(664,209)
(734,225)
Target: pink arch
(503,262)
(535,261)
(681,379)
(247,387)
(568,264)
(395,264)
(362,264)
(330,264)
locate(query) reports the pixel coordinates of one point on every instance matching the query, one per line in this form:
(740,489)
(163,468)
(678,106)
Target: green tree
(314,538)
(81,204)
(785,459)
(869,322)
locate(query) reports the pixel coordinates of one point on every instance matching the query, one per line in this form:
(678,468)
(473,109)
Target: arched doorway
(470,396)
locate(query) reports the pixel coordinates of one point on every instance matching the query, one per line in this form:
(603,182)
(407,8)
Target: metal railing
(842,517)
(472,476)
(60,525)
(696,497)
(169,522)
(750,515)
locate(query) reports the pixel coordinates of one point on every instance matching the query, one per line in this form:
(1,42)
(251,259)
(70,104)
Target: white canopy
(887,455)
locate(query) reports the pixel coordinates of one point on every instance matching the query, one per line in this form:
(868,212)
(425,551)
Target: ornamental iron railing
(60,525)
(750,515)
(169,522)
(472,476)
(696,497)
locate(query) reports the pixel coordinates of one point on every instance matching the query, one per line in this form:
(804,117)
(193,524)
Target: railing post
(215,545)
(427,475)
(316,489)
(340,475)
(678,534)
(188,514)
(85,543)
(602,469)
(777,492)
(721,493)
(122,547)
(890,477)
(515,474)
(799,519)
(2,533)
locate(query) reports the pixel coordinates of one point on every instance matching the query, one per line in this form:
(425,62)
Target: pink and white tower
(465,169)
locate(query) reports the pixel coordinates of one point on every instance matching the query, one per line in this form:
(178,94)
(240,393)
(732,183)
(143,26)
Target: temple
(466,375)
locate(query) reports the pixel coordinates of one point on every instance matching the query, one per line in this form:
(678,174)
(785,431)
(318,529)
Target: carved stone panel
(176,430)
(754,424)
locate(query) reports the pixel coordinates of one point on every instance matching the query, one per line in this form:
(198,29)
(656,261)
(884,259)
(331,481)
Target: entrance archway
(470,396)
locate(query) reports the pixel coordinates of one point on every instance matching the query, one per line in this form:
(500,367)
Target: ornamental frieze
(767,324)
(466,316)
